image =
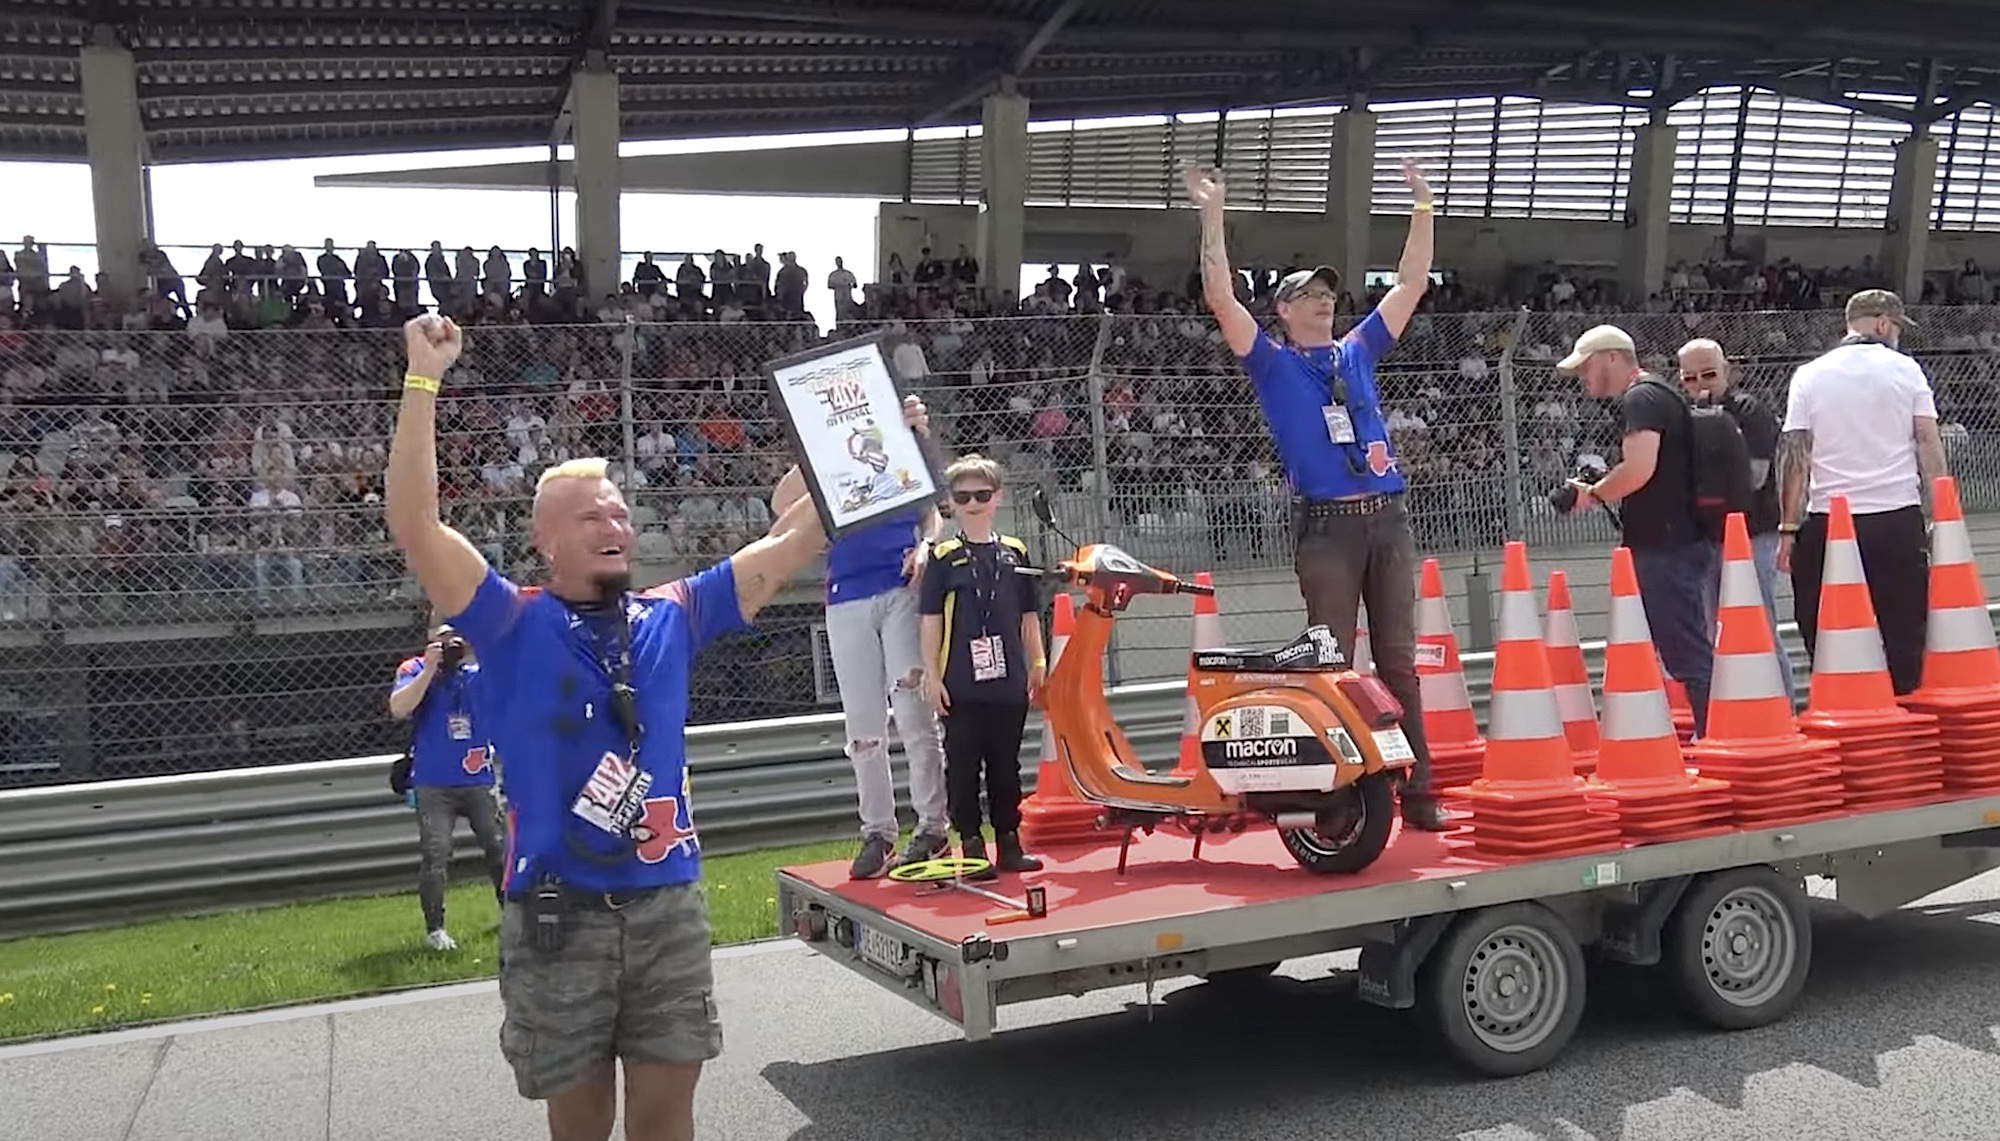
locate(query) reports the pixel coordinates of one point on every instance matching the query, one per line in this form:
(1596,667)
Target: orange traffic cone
(1528,800)
(1207,635)
(1640,773)
(1775,774)
(1889,756)
(1364,655)
(1961,683)
(1458,752)
(1572,676)
(1054,814)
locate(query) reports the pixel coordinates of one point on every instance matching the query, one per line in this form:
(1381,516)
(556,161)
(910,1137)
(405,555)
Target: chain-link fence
(194,572)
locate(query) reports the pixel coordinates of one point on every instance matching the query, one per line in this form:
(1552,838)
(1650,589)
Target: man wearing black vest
(1653,487)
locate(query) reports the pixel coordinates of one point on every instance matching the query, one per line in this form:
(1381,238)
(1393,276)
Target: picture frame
(841,406)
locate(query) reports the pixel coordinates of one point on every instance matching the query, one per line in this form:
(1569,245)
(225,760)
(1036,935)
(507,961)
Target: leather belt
(606,900)
(1327,508)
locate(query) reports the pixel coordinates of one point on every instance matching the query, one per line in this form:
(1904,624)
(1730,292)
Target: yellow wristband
(1421,208)
(1041,663)
(421,383)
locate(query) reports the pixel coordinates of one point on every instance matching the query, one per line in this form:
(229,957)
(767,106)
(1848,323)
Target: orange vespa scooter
(1290,734)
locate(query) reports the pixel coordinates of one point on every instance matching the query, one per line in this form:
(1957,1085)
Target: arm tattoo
(1794,457)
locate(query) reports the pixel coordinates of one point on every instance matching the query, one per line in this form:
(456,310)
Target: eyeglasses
(1705,375)
(983,495)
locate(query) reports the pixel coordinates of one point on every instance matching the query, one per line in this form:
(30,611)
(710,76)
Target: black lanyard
(985,575)
(615,660)
(1336,394)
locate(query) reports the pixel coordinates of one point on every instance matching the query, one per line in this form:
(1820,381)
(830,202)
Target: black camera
(1563,498)
(452,653)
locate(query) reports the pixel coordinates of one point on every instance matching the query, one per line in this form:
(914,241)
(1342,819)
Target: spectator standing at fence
(1653,487)
(982,639)
(1861,421)
(1319,396)
(1708,377)
(451,767)
(604,936)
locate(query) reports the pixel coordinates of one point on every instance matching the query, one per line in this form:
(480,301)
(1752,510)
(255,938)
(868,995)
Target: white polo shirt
(1860,402)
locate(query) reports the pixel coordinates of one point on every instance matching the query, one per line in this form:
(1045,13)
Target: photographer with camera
(1653,484)
(451,768)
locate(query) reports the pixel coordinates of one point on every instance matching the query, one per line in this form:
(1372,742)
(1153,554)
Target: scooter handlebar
(1183,586)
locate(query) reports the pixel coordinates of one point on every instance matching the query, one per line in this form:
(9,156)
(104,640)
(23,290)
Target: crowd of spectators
(222,438)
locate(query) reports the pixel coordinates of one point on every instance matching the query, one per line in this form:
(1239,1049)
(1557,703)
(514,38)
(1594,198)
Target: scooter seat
(1313,651)
(1140,776)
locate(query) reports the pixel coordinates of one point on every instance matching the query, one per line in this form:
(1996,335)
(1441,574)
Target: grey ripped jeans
(439,808)
(1346,557)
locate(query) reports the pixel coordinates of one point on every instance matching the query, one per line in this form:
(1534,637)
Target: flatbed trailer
(1489,952)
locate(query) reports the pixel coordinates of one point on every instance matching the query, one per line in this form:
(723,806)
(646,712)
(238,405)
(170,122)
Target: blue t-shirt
(862,564)
(570,782)
(1294,386)
(448,744)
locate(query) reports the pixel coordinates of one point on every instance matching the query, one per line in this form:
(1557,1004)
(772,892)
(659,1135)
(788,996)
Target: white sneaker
(440,941)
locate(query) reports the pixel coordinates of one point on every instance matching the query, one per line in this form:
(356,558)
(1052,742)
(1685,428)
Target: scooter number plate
(1394,745)
(883,951)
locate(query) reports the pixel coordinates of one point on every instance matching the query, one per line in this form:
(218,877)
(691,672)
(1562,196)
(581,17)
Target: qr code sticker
(1250,722)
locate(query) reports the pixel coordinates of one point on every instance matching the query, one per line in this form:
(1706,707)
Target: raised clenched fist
(432,343)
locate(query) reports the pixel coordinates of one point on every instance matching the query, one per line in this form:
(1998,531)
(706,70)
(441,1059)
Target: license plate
(882,950)
(1394,745)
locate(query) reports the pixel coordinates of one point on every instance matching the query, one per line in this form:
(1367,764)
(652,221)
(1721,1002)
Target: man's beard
(611,585)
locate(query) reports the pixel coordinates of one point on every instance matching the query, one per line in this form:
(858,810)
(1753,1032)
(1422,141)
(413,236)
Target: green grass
(309,952)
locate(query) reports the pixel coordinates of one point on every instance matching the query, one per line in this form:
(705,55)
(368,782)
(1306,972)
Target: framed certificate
(842,409)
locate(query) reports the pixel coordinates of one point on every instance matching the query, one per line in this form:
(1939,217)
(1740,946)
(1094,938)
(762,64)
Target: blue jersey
(1296,389)
(448,744)
(580,807)
(862,564)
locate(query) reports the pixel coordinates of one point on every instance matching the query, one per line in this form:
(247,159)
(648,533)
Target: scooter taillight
(1378,707)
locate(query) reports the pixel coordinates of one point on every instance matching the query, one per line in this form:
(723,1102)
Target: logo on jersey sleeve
(1379,460)
(666,825)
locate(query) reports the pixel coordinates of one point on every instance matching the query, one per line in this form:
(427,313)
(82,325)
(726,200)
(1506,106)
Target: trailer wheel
(1351,833)
(1738,947)
(1505,988)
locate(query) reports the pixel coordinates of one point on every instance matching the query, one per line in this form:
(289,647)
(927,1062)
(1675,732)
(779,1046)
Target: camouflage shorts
(631,983)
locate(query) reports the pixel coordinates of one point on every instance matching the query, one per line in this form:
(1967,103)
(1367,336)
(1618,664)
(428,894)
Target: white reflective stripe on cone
(1956,629)
(1518,620)
(1575,701)
(1628,622)
(1444,693)
(1191,716)
(1636,716)
(1523,715)
(1850,651)
(1740,586)
(1208,632)
(1560,633)
(1951,543)
(1433,618)
(1843,565)
(1746,677)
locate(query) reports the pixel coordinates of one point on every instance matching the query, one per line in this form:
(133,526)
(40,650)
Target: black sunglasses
(983,495)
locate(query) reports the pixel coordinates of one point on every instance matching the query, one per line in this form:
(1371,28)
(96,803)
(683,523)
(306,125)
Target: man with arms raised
(1325,413)
(604,938)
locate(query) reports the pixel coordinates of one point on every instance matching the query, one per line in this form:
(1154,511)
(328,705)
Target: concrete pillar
(115,141)
(1350,197)
(593,97)
(1907,230)
(1649,198)
(1003,191)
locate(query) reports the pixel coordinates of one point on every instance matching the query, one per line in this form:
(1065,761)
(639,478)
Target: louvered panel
(1704,154)
(945,169)
(1246,159)
(1106,166)
(1561,160)
(1811,164)
(1451,137)
(1968,178)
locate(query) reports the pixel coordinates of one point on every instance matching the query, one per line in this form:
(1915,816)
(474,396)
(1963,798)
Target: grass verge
(309,952)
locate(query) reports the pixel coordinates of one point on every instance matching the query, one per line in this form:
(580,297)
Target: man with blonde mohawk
(604,938)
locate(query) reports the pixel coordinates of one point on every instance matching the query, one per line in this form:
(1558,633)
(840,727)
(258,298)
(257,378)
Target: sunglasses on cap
(983,495)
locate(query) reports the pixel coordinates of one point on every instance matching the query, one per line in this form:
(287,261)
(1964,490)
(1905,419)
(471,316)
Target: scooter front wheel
(1351,831)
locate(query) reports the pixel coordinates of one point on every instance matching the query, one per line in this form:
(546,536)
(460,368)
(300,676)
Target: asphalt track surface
(1894,1039)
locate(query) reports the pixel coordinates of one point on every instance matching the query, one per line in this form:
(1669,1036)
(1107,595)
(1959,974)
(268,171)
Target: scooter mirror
(1043,511)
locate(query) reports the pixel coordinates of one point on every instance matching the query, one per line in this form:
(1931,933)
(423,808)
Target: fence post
(628,421)
(1100,461)
(1510,433)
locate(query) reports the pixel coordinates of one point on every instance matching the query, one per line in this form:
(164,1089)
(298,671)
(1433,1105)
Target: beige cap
(1602,339)
(1878,303)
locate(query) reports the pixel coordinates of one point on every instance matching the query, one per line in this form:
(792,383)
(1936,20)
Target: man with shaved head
(1708,378)
(604,938)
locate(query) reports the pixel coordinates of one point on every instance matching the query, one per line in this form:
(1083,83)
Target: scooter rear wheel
(1352,831)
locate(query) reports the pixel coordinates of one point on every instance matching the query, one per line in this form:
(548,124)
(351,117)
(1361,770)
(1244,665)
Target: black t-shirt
(1661,513)
(982,598)
(1759,426)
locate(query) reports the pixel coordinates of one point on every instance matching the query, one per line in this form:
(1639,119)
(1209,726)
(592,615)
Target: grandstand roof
(224,79)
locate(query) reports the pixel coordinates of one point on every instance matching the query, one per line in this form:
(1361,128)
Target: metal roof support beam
(115,139)
(592,49)
(598,125)
(979,77)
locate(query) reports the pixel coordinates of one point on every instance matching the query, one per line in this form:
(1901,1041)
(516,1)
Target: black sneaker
(1422,812)
(1012,857)
(873,860)
(924,846)
(974,848)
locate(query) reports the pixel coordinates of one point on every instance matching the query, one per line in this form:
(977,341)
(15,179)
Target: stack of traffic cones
(1889,756)
(1207,635)
(1682,710)
(1054,814)
(1572,676)
(1640,773)
(1529,800)
(1961,684)
(1776,775)
(1364,655)
(1458,752)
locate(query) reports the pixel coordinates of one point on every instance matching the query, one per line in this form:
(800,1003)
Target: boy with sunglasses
(982,628)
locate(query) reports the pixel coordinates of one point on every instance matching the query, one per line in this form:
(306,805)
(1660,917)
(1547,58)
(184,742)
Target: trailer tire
(1504,989)
(1363,840)
(1739,946)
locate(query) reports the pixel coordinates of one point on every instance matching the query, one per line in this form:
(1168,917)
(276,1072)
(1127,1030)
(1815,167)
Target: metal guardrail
(108,853)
